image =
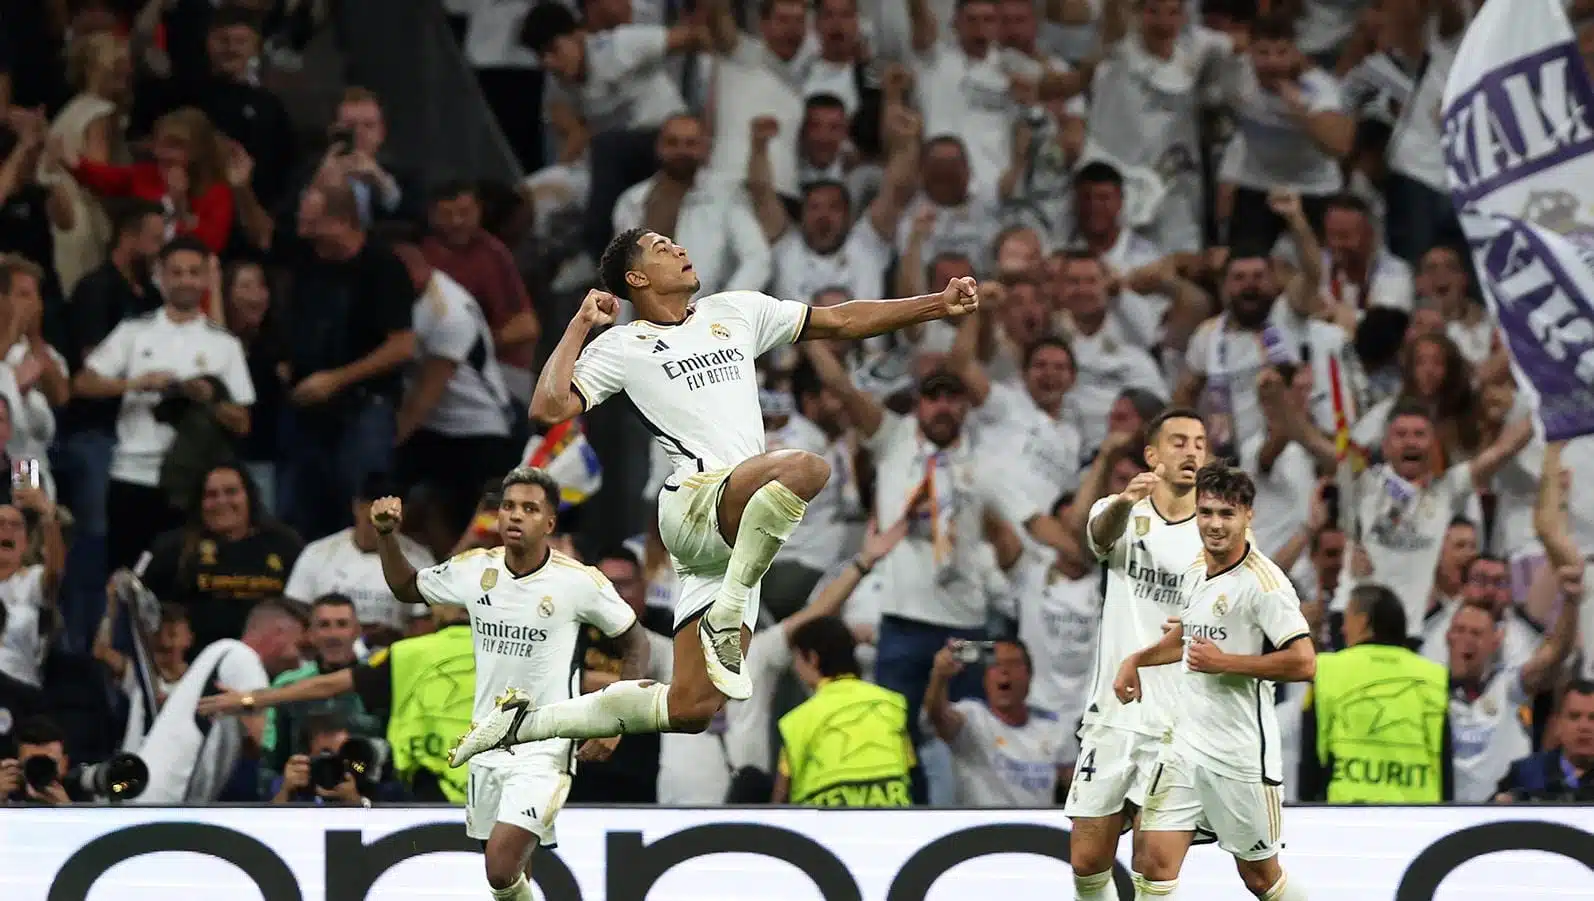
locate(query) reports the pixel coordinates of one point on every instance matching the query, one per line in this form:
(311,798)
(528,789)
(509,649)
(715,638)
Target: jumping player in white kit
(729,506)
(1146,538)
(527,605)
(1221,772)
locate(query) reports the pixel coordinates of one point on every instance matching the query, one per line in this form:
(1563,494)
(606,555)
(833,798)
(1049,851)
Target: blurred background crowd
(258,273)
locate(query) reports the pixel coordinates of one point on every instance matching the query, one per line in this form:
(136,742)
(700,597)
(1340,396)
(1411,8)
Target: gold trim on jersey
(1291,637)
(560,559)
(1258,565)
(1274,801)
(469,553)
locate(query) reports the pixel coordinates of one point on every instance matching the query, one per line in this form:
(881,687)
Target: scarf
(1219,393)
(933,503)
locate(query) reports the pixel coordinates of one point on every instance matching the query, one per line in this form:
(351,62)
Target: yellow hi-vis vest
(848,746)
(434,691)
(1380,720)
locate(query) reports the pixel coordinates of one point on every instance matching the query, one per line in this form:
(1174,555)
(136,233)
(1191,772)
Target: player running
(1221,772)
(1146,538)
(527,604)
(729,506)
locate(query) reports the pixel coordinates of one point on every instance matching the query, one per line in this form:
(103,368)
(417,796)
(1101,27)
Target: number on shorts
(1087,767)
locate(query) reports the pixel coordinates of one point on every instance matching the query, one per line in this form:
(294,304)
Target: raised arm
(864,411)
(556,398)
(1550,512)
(867,318)
(386,514)
(1539,672)
(1303,293)
(1510,441)
(1106,527)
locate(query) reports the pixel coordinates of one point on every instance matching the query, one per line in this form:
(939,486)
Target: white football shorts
(1113,769)
(1247,818)
(527,794)
(689,526)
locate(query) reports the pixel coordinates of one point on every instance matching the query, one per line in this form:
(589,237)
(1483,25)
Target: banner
(759,854)
(1518,140)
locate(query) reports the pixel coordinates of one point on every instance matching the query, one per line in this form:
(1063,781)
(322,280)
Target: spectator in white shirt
(1291,133)
(35,379)
(966,214)
(453,423)
(826,248)
(1099,229)
(1107,362)
(28,592)
(963,87)
(1358,272)
(346,563)
(1284,471)
(612,89)
(1487,583)
(823,143)
(1004,752)
(715,219)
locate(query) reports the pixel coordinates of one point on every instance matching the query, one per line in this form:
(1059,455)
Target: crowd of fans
(225,342)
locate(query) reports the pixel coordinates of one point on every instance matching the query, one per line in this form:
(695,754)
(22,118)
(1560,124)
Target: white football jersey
(1143,570)
(527,630)
(1488,734)
(1228,723)
(693,383)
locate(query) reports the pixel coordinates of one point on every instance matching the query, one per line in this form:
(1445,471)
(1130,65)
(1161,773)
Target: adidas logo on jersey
(660,346)
(485,601)
(1259,847)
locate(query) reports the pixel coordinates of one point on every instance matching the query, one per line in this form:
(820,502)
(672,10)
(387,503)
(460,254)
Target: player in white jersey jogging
(729,506)
(527,605)
(1219,774)
(1145,538)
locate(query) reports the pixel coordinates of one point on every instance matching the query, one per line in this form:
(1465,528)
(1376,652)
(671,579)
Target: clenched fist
(960,297)
(386,514)
(600,308)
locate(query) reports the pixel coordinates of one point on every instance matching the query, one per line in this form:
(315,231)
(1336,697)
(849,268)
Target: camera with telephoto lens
(121,777)
(359,757)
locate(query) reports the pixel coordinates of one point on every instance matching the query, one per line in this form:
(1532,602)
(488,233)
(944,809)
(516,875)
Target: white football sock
(620,709)
(1095,887)
(520,891)
(1152,890)
(1285,890)
(769,518)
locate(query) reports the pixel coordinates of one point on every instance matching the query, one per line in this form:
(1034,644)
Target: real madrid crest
(273,563)
(1221,605)
(546,606)
(1490,708)
(1142,525)
(207,552)
(720,332)
(489,579)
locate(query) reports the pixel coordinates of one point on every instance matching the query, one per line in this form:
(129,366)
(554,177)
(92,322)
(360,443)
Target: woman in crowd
(92,127)
(248,313)
(1434,373)
(28,590)
(231,555)
(187,176)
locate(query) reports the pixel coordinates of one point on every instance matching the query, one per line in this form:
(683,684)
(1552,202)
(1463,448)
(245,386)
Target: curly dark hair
(1456,405)
(619,258)
(1225,483)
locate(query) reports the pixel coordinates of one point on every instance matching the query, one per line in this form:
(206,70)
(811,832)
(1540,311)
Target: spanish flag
(565,454)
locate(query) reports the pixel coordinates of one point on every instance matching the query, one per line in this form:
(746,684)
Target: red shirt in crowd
(212,210)
(485,268)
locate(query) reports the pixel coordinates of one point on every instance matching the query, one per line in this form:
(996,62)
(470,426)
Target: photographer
(37,775)
(337,769)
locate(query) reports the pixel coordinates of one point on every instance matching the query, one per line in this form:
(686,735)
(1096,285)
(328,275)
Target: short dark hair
(811,188)
(938,382)
(228,16)
(1023,649)
(831,642)
(1046,341)
(1409,407)
(1350,203)
(335,599)
(127,214)
(375,485)
(545,23)
(531,475)
(1386,615)
(1154,427)
(452,188)
(623,553)
(1493,614)
(1099,173)
(1226,483)
(823,100)
(620,257)
(1273,27)
(325,723)
(38,730)
(183,243)
(1583,687)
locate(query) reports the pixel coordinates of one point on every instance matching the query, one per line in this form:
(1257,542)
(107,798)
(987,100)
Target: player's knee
(804,473)
(1258,875)
(692,714)
(1155,863)
(504,867)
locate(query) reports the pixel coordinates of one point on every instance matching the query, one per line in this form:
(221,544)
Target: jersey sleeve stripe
(581,394)
(1290,639)
(802,325)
